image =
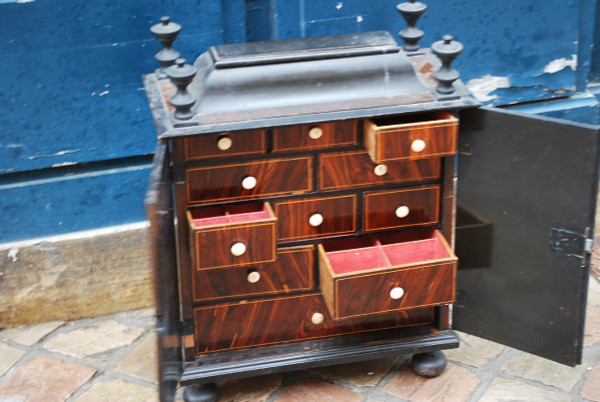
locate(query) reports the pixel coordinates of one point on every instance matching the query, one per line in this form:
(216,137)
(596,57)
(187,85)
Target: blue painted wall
(76,136)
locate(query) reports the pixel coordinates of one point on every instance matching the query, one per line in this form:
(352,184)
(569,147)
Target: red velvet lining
(416,251)
(411,248)
(203,217)
(358,259)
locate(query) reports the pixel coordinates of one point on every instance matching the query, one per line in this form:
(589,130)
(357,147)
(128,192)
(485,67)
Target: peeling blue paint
(72,94)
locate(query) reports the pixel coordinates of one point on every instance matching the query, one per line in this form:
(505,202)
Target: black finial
(446,50)
(166,32)
(411,11)
(181,75)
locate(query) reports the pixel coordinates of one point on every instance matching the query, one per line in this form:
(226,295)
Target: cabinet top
(306,80)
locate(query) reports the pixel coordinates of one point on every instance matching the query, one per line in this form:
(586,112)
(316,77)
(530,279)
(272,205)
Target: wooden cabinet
(318,226)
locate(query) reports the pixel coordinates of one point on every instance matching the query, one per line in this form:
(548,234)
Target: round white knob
(238,249)
(249,182)
(396,293)
(254,277)
(317,318)
(402,212)
(224,143)
(315,133)
(417,145)
(315,220)
(380,170)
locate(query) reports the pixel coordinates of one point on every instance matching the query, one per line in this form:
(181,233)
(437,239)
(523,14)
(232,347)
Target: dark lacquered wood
(296,138)
(274,177)
(292,271)
(211,245)
(159,206)
(380,208)
(184,253)
(246,142)
(284,319)
(355,169)
(339,217)
(391,138)
(402,341)
(448,214)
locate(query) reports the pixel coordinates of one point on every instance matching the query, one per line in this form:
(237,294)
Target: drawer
(312,217)
(401,208)
(285,319)
(291,271)
(410,137)
(355,169)
(366,276)
(251,179)
(236,235)
(315,136)
(215,145)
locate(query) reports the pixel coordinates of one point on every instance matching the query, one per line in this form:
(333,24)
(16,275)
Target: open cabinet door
(159,207)
(527,190)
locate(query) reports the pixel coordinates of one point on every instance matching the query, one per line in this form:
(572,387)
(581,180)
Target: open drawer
(410,137)
(394,272)
(236,235)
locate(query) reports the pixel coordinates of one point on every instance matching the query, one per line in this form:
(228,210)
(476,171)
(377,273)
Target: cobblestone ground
(112,358)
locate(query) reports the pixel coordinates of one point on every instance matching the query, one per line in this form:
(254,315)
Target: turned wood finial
(411,11)
(166,32)
(181,76)
(446,50)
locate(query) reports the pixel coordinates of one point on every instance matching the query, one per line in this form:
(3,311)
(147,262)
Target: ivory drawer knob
(418,145)
(315,133)
(315,220)
(249,182)
(317,318)
(380,170)
(254,277)
(238,249)
(396,293)
(224,143)
(402,211)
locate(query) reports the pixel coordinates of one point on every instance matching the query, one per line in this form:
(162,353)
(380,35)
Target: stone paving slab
(118,390)
(545,371)
(591,388)
(141,362)
(97,338)
(455,384)
(503,389)
(474,351)
(45,379)
(31,335)
(8,357)
(364,374)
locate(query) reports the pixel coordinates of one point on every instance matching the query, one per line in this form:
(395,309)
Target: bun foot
(201,393)
(429,364)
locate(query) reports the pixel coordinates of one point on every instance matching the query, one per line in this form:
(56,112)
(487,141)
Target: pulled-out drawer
(409,137)
(355,169)
(292,271)
(252,179)
(235,235)
(313,217)
(365,276)
(411,207)
(314,136)
(285,319)
(215,145)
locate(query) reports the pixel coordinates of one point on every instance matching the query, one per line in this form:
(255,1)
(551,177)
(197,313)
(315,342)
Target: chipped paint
(59,153)
(339,5)
(359,18)
(482,87)
(12,254)
(560,64)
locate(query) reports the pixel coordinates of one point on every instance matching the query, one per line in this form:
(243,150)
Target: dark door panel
(526,193)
